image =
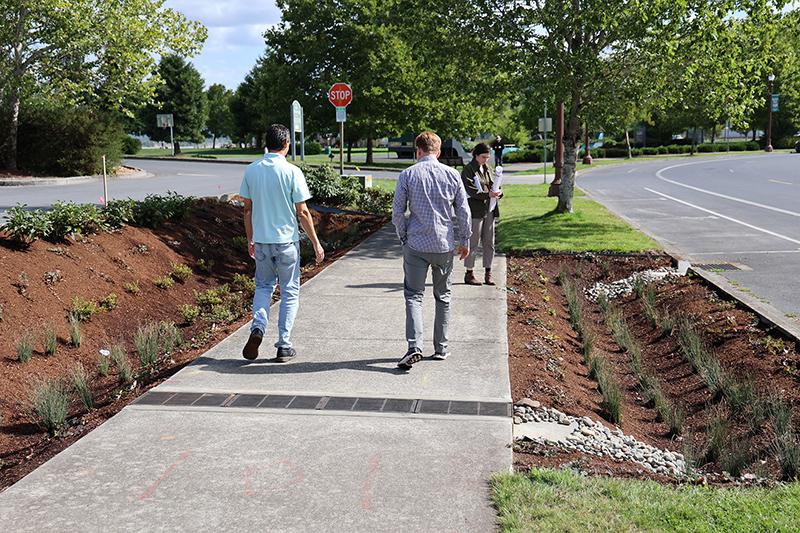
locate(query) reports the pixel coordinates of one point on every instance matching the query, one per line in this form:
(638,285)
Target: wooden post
(558,163)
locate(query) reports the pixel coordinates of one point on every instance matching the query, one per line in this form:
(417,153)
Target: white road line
(631,170)
(195,175)
(748,252)
(732,198)
(731,170)
(781,182)
(768,232)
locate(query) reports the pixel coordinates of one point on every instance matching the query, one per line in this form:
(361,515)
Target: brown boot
(488,279)
(470,279)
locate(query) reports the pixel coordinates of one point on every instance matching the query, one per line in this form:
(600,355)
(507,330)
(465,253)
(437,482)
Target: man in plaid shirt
(430,191)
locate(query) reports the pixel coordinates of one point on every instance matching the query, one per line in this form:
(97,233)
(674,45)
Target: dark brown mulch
(97,265)
(546,363)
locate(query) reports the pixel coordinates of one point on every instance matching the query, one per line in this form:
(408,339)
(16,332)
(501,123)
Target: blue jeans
(277,264)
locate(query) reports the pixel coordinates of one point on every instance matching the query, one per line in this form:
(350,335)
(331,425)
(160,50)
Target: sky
(234,36)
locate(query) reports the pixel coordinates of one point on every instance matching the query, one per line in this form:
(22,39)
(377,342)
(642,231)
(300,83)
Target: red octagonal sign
(340,94)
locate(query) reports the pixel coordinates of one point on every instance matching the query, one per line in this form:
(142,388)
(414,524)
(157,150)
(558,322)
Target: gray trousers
(483,231)
(415,268)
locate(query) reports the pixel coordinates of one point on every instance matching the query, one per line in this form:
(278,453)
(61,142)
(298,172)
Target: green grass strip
(559,500)
(527,222)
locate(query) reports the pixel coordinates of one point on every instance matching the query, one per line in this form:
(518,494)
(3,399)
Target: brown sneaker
(489,280)
(469,278)
(250,350)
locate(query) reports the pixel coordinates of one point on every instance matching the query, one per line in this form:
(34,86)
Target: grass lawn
(527,222)
(559,500)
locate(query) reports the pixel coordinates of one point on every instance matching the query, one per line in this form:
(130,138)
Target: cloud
(227,13)
(235,40)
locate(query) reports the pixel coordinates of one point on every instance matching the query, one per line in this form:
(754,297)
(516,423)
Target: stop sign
(340,94)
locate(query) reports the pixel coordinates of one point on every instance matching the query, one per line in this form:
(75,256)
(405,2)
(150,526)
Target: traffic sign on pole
(340,95)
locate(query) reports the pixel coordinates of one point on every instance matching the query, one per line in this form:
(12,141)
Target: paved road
(184,177)
(741,209)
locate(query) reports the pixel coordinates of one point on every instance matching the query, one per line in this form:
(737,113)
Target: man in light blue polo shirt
(275,194)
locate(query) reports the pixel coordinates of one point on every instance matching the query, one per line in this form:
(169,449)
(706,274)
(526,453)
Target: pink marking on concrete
(248,483)
(168,472)
(372,473)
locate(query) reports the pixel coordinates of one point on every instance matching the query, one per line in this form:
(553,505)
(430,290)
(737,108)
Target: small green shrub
(24,226)
(208,298)
(181,272)
(25,347)
(117,213)
(240,243)
(80,383)
(121,364)
(189,313)
(205,265)
(50,341)
(736,456)
(147,346)
(717,435)
(169,336)
(82,309)
(153,339)
(109,302)
(131,145)
(49,405)
(375,201)
(155,209)
(75,333)
(587,346)
(163,282)
(103,364)
(68,219)
(244,283)
(221,314)
(132,287)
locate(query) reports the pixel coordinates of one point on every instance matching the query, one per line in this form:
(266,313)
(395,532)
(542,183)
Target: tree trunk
(713,134)
(214,142)
(628,143)
(694,140)
(177,146)
(350,151)
(369,150)
(9,147)
(571,137)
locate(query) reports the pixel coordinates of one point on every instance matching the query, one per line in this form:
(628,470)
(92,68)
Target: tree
(95,53)
(181,94)
(583,46)
(220,119)
(404,76)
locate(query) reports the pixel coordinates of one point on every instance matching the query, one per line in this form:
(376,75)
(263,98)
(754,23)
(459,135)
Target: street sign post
(297,126)
(165,121)
(775,103)
(545,125)
(340,95)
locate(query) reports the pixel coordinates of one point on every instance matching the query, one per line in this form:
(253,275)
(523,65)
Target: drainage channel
(325,403)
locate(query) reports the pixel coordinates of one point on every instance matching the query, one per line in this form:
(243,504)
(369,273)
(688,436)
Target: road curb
(69,180)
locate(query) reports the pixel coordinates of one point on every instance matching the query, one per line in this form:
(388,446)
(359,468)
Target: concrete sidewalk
(340,440)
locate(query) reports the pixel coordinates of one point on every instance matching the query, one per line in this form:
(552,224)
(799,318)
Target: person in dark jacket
(497,147)
(478,183)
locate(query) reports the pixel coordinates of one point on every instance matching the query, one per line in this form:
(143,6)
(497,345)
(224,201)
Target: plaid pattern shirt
(431,190)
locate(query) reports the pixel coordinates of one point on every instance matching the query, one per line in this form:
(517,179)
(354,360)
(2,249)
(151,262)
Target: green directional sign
(775,107)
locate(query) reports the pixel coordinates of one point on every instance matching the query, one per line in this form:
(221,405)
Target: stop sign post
(340,95)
